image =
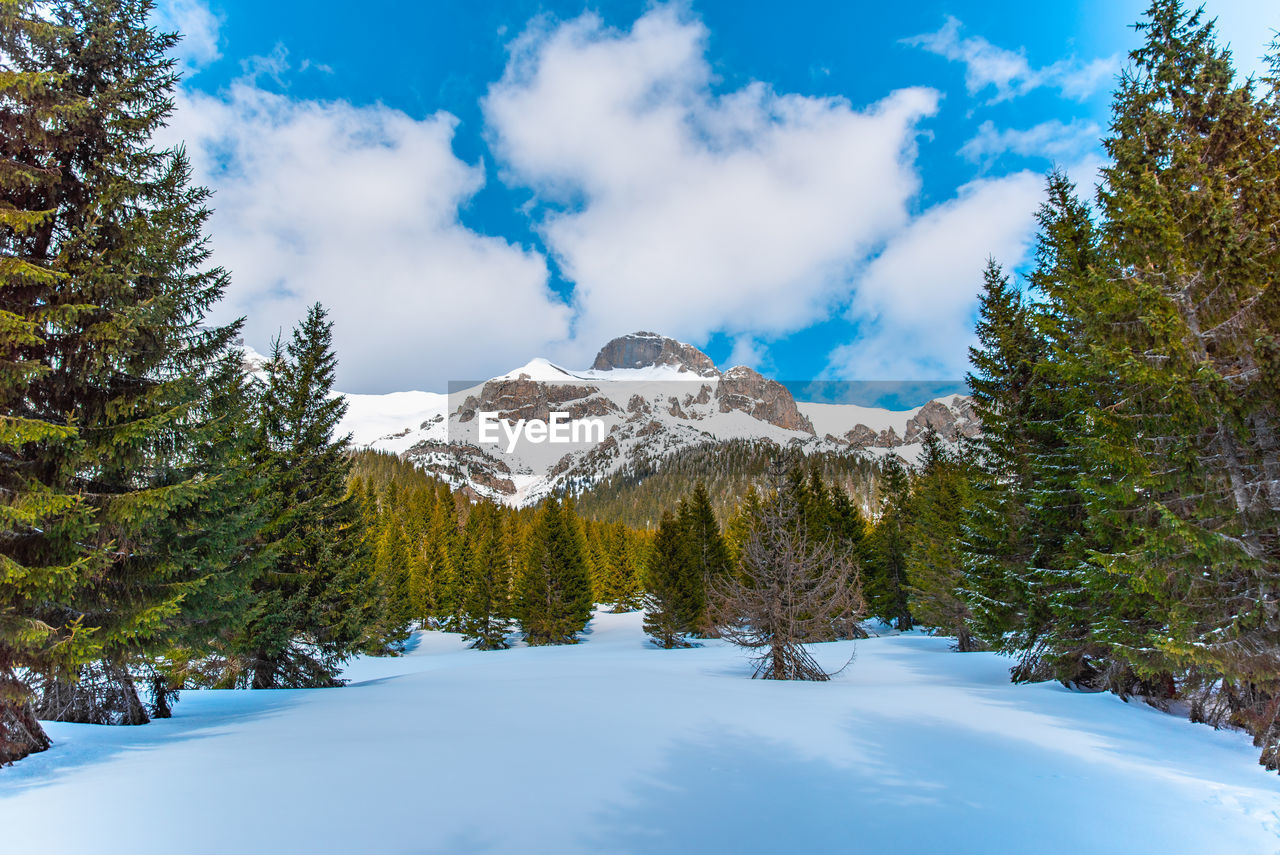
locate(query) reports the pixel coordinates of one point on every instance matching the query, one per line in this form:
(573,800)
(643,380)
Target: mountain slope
(651,396)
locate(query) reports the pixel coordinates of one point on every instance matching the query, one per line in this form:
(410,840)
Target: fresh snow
(839,419)
(613,746)
(394,420)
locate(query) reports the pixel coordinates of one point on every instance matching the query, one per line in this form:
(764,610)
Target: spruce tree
(707,552)
(1192,318)
(486,600)
(619,579)
(996,536)
(301,625)
(675,596)
(106,372)
(554,589)
(885,577)
(940,492)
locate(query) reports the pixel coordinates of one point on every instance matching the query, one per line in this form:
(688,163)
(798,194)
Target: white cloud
(914,304)
(1052,139)
(686,211)
(199,27)
(1009,72)
(357,207)
(749,352)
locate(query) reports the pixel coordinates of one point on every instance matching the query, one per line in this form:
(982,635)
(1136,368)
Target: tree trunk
(20,732)
(102,693)
(264,671)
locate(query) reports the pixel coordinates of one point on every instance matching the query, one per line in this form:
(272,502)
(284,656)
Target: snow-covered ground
(612,746)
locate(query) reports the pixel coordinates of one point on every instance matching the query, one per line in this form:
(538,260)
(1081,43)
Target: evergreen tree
(619,579)
(486,605)
(707,553)
(885,580)
(1192,315)
(674,601)
(995,524)
(554,589)
(105,369)
(302,624)
(741,522)
(391,569)
(933,560)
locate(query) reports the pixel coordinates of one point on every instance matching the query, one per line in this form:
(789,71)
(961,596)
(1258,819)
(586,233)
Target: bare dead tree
(789,592)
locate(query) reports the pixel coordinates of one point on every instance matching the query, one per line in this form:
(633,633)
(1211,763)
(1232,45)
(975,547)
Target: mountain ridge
(654,396)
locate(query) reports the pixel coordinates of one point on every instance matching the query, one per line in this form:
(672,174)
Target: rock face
(769,401)
(643,349)
(643,416)
(523,398)
(950,423)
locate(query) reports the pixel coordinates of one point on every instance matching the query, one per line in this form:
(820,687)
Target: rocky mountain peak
(742,388)
(646,349)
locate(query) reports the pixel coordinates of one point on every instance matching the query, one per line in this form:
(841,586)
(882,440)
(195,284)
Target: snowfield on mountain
(613,746)
(655,397)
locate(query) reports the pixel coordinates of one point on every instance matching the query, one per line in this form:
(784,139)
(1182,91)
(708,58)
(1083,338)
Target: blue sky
(809,188)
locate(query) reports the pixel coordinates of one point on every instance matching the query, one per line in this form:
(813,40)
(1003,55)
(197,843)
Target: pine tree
(486,606)
(554,589)
(707,552)
(939,494)
(302,624)
(997,549)
(105,370)
(675,596)
(885,579)
(1192,317)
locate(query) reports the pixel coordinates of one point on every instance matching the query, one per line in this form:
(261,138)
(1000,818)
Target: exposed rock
(950,422)
(645,349)
(746,390)
(888,439)
(531,400)
(860,436)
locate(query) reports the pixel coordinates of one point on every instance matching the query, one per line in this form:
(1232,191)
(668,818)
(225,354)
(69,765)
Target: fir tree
(302,625)
(486,606)
(554,589)
(105,369)
(933,560)
(675,600)
(885,580)
(707,552)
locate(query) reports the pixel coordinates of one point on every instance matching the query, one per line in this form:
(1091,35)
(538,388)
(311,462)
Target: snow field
(612,746)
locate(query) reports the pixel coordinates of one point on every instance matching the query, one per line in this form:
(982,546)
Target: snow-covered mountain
(648,395)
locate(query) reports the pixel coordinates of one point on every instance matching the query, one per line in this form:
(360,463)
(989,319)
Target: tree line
(1117,525)
(170,518)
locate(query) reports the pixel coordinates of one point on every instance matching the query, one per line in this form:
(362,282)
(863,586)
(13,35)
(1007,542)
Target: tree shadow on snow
(78,746)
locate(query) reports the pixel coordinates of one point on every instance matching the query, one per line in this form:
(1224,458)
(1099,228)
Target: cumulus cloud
(199,27)
(357,207)
(1009,72)
(914,304)
(1053,139)
(673,207)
